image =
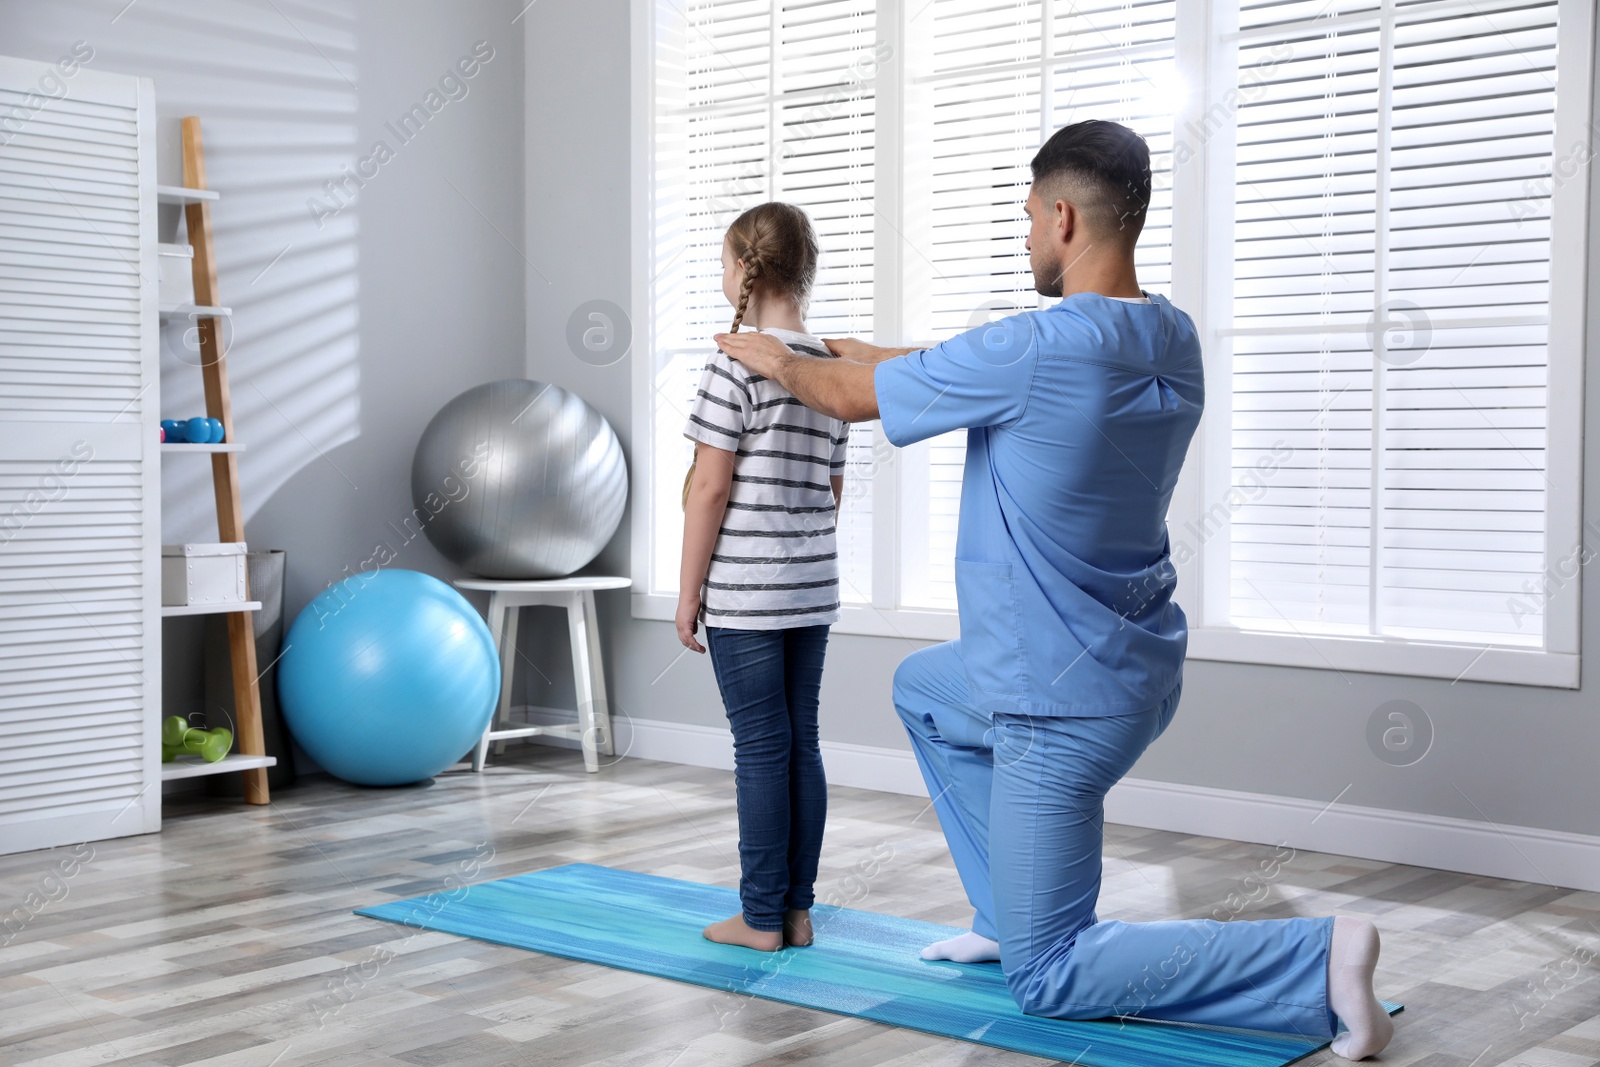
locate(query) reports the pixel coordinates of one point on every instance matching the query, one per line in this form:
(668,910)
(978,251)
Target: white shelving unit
(169,611)
(194,311)
(177,194)
(208,315)
(195,767)
(180,447)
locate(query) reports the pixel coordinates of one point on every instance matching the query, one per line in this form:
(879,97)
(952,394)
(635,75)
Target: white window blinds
(1390,311)
(754,101)
(1394,366)
(990,82)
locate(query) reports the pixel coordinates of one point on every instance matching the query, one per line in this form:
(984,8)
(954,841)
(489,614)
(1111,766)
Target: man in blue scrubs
(1070,659)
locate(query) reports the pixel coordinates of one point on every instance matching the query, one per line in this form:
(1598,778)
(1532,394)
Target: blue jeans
(1020,799)
(770,681)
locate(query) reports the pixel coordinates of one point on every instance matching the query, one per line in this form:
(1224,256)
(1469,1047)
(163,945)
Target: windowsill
(1369,655)
(1418,659)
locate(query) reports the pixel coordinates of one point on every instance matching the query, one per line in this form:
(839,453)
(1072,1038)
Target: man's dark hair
(1101,168)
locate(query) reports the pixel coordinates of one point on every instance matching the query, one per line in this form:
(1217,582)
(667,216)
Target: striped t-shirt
(776,563)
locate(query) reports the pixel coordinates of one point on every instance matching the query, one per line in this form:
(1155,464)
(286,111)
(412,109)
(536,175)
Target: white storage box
(202,574)
(176,269)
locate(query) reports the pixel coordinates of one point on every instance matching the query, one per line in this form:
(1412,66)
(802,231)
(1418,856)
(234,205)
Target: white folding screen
(79,463)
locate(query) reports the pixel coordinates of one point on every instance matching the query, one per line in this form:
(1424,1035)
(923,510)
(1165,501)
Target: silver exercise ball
(519,479)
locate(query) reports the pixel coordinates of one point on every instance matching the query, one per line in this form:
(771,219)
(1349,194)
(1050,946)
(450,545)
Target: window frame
(1202,210)
(1205,478)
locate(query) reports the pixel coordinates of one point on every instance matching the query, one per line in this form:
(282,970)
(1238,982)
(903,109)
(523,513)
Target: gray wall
(346,344)
(1508,754)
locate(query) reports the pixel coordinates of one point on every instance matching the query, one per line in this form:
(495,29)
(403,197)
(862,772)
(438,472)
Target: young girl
(759,560)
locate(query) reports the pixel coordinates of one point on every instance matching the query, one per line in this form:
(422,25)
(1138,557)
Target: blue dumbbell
(176,430)
(217,433)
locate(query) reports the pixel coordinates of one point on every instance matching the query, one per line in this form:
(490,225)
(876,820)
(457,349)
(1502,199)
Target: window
(1374,209)
(986,84)
(757,101)
(1389,337)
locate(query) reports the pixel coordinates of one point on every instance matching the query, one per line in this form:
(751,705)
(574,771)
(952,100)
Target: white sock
(1352,958)
(964,948)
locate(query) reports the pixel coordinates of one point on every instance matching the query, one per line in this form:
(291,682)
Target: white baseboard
(1521,853)
(887,770)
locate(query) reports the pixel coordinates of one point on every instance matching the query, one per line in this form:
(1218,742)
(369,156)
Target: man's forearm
(841,388)
(877,355)
(860,352)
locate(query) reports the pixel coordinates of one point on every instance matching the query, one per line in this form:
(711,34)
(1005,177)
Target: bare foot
(1352,958)
(797,928)
(735,931)
(964,948)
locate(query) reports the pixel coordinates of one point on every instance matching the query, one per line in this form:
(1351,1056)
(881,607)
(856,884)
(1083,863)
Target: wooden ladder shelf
(224,465)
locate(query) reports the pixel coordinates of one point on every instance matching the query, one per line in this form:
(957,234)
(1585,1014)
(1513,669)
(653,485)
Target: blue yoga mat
(862,964)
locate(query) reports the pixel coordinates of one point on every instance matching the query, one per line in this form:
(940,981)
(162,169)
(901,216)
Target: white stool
(593,728)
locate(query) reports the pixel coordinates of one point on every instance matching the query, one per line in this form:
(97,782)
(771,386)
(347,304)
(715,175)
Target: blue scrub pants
(1020,798)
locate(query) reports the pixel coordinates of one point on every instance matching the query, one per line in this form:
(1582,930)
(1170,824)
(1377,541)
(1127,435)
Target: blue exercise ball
(388,677)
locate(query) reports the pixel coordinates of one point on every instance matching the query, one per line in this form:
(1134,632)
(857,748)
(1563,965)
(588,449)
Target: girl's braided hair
(779,250)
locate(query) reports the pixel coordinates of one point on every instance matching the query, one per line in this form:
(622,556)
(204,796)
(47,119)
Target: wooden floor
(228,938)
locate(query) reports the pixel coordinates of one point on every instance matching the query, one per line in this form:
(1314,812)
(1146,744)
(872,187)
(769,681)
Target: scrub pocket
(991,626)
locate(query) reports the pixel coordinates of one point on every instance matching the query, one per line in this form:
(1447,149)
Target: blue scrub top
(1078,420)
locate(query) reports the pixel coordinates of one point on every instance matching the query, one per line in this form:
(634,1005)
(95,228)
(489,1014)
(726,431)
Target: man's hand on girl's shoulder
(761,353)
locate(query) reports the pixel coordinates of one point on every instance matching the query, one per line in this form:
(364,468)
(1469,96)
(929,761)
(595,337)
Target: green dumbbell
(173,727)
(209,745)
(178,738)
